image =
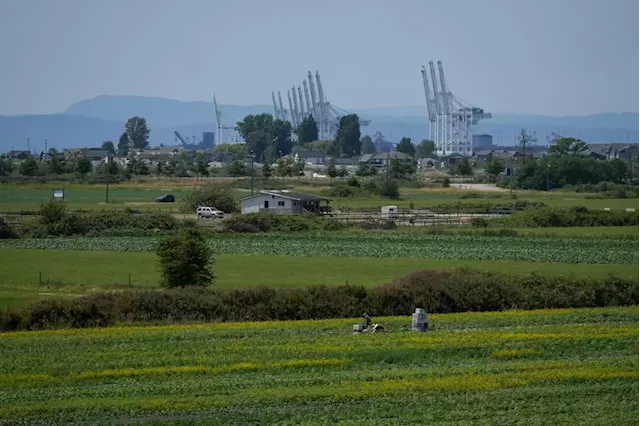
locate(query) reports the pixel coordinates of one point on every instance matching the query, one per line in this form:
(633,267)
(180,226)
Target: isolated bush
(388,188)
(438,291)
(6,231)
(211,195)
(446,182)
(265,222)
(185,260)
(353,182)
(479,222)
(52,212)
(340,190)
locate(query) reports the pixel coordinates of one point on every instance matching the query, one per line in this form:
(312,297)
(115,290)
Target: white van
(389,212)
(210,212)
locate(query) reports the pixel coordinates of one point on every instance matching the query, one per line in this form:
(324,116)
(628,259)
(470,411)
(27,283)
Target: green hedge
(457,290)
(573,216)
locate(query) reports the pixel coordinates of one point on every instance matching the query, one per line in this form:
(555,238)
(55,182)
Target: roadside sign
(58,194)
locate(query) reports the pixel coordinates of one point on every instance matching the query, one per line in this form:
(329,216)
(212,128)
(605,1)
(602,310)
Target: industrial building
(483,141)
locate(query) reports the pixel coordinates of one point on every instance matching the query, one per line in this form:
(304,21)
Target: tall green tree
(267,170)
(366,145)
(332,171)
(83,166)
(236,168)
(124,144)
(525,139)
(56,164)
(185,259)
(463,167)
(348,136)
(237,149)
(29,166)
(284,167)
(406,146)
(281,142)
(307,130)
(426,148)
(200,166)
(109,147)
(138,132)
(6,165)
(568,146)
(257,131)
(495,167)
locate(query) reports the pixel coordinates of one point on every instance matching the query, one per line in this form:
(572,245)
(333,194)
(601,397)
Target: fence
(413,217)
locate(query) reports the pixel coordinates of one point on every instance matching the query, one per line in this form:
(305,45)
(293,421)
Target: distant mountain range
(90,122)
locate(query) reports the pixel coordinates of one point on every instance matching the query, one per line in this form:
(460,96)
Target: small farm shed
(284,202)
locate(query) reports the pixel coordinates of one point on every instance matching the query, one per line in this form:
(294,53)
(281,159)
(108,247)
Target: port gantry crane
(314,104)
(220,126)
(450,118)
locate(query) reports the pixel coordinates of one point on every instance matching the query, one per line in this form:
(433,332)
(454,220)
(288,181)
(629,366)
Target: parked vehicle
(167,198)
(209,212)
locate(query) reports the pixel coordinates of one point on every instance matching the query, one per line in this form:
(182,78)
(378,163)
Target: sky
(552,57)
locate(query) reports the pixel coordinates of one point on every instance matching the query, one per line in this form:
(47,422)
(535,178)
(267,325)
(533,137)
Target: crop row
(532,249)
(579,364)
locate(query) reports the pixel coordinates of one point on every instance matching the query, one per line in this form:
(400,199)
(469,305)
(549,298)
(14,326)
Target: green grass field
(560,367)
(71,273)
(14,197)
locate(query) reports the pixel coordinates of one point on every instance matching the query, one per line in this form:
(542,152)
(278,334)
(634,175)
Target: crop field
(27,275)
(384,245)
(561,367)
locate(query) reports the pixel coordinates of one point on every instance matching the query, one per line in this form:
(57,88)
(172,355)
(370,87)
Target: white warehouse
(284,202)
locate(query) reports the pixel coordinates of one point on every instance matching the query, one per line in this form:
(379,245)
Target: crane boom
(296,111)
(283,113)
(275,106)
(306,97)
(175,132)
(435,88)
(291,111)
(445,95)
(314,105)
(302,112)
(323,111)
(427,94)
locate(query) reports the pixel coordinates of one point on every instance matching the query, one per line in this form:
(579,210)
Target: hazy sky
(550,57)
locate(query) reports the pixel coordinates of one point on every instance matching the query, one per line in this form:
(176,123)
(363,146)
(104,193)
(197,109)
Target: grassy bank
(75,273)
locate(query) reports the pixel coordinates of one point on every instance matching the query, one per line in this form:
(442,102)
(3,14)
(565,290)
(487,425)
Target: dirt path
(482,187)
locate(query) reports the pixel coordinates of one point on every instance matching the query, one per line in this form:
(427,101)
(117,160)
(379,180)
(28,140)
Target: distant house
(611,151)
(427,163)
(94,154)
(18,155)
(482,157)
(159,151)
(284,202)
(381,159)
(312,158)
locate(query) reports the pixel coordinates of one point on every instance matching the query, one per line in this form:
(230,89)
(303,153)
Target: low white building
(284,202)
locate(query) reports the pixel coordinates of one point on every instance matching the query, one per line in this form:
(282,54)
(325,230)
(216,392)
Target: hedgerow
(458,290)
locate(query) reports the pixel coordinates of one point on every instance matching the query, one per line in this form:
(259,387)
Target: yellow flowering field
(563,366)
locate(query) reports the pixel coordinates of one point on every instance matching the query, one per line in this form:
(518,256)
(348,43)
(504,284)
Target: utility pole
(106,198)
(548,167)
(45,146)
(29,145)
(251,152)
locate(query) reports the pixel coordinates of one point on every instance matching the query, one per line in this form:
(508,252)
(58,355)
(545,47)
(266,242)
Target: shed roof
(290,195)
